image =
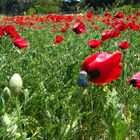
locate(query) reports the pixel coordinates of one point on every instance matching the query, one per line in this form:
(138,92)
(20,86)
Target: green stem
(19,118)
(128,95)
(123,74)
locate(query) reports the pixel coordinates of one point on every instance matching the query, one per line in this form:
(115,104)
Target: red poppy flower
(1,31)
(94,43)
(105,36)
(119,15)
(138,13)
(110,34)
(79,27)
(121,26)
(14,34)
(58,39)
(63,30)
(103,68)
(67,24)
(114,33)
(20,42)
(89,15)
(135,80)
(124,45)
(133,26)
(95,28)
(9,29)
(107,14)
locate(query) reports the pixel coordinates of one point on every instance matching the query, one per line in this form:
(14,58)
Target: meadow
(76,77)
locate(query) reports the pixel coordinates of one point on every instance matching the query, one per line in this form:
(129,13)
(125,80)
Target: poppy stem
(19,118)
(123,72)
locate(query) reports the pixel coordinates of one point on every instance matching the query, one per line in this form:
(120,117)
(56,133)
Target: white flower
(15,83)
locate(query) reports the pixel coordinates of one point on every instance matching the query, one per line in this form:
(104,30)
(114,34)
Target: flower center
(133,82)
(94,74)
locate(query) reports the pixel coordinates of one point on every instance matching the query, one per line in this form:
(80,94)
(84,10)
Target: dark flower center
(94,74)
(76,30)
(133,82)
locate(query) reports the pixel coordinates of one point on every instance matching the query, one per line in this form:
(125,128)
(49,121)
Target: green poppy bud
(6,94)
(15,83)
(6,119)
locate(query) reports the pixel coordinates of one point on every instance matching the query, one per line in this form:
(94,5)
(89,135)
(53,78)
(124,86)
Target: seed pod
(15,84)
(6,94)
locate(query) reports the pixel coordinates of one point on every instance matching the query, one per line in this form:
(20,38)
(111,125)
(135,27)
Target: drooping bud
(15,84)
(6,94)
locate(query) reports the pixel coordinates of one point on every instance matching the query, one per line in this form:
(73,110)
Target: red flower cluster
(103,68)
(133,26)
(120,25)
(19,41)
(10,30)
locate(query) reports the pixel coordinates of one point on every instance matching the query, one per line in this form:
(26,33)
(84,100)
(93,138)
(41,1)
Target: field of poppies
(70,77)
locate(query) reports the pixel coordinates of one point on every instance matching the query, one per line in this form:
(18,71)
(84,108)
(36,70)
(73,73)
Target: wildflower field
(70,77)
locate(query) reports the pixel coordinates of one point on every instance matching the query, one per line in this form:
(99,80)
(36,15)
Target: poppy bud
(83,75)
(123,118)
(6,119)
(82,81)
(6,94)
(15,83)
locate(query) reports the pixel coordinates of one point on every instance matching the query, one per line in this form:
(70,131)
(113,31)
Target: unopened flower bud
(83,75)
(82,81)
(15,83)
(6,119)
(6,94)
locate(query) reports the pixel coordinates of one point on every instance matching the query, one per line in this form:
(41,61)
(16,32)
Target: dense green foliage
(44,6)
(16,7)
